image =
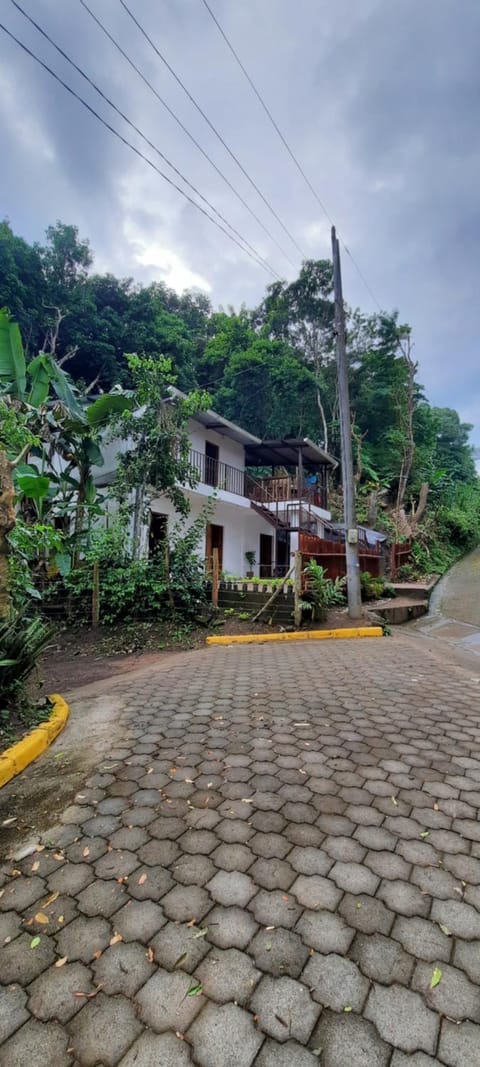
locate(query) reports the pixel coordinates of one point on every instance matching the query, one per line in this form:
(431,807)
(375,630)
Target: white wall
(230,452)
(242,527)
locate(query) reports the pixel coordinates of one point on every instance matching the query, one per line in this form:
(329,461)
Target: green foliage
(22,640)
(132,588)
(34,546)
(322,592)
(372,588)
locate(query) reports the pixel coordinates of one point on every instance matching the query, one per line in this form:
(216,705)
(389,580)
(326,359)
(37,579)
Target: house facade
(260,515)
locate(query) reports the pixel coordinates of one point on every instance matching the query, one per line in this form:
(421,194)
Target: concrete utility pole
(351,529)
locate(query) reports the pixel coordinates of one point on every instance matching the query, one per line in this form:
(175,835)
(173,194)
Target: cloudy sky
(379,100)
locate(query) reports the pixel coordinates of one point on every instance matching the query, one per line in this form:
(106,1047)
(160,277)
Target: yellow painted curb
(16,758)
(296,635)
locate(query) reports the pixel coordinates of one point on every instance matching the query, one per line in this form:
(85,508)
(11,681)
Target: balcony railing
(260,490)
(217,474)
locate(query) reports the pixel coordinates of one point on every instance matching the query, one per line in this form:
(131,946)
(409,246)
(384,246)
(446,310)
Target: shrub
(322,592)
(21,642)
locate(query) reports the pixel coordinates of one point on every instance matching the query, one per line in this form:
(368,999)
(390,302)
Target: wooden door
(211,463)
(266,548)
(214,539)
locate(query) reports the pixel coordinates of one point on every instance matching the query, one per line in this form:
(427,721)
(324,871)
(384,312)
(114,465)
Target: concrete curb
(297,635)
(16,758)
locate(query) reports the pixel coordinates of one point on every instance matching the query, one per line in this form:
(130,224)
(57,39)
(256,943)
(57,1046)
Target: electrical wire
(176,119)
(213,128)
(124,140)
(286,145)
(142,135)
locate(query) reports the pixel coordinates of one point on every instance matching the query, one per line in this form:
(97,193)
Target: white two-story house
(259,515)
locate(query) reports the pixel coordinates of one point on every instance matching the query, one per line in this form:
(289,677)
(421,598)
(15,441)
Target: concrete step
(401,609)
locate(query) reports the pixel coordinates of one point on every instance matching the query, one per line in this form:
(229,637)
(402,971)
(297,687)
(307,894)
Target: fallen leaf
(181,959)
(247,800)
(142,879)
(88,996)
(60,919)
(58,856)
(436,977)
(191,923)
(34,942)
(189,781)
(358,905)
(41,918)
(286,898)
(50,900)
(61,962)
(300,771)
(268,946)
(348,1007)
(179,1035)
(116,938)
(445,930)
(280,1020)
(395,802)
(7,822)
(269,927)
(150,770)
(149,954)
(436,807)
(201,933)
(86,851)
(195,990)
(173,770)
(425,833)
(97,954)
(35,866)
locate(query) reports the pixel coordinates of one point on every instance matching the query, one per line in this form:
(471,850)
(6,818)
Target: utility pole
(351,529)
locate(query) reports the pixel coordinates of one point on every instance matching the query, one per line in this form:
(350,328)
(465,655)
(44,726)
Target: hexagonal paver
(13,1010)
(228,975)
(103,1031)
(325,932)
(138,920)
(336,982)
(184,903)
(102,897)
(279,952)
(52,994)
(275,909)
(22,963)
(180,946)
(231,888)
(83,937)
(454,996)
(123,968)
(274,1055)
(285,1009)
(459,1045)
(158,1050)
(231,927)
(347,1039)
(164,1003)
(402,1018)
(313,891)
(49,1040)
(382,959)
(224,1036)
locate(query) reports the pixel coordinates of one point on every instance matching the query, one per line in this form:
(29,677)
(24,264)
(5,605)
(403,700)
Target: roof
(284,452)
(212,421)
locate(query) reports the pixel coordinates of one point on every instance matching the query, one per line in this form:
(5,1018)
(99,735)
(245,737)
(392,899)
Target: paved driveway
(274,868)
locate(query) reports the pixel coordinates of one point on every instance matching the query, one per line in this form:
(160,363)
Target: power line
(142,135)
(213,128)
(125,141)
(285,143)
(181,125)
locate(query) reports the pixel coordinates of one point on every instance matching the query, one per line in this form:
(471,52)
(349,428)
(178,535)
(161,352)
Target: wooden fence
(331,555)
(400,554)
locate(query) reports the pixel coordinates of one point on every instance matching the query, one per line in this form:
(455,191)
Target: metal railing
(217,474)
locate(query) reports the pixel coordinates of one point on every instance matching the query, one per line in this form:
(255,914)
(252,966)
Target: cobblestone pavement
(274,868)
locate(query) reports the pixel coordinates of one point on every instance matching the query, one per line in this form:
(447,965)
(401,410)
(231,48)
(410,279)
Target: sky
(378,100)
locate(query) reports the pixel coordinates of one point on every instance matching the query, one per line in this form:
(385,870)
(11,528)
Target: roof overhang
(218,424)
(285,452)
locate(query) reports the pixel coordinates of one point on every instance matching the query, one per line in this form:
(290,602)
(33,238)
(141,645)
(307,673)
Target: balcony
(275,490)
(217,474)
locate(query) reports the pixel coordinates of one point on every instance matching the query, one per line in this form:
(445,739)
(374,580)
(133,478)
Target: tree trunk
(7,523)
(324,421)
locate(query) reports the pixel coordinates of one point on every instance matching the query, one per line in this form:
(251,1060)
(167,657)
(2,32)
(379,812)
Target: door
(211,463)
(283,553)
(214,539)
(266,548)
(157,534)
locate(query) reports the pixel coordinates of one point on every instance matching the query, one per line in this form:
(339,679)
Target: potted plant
(251,560)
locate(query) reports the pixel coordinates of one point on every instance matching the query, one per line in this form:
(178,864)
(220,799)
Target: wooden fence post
(297,591)
(96,595)
(215,577)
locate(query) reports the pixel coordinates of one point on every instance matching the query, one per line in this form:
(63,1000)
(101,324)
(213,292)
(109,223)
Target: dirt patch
(80,655)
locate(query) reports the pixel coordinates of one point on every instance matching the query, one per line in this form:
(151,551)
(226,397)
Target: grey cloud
(380,102)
